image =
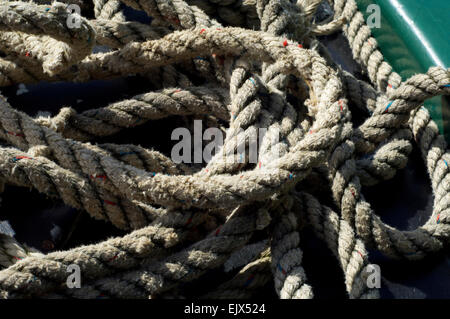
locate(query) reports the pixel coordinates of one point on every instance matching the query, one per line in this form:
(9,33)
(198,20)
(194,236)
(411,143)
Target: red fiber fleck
(103,177)
(15,134)
(113,258)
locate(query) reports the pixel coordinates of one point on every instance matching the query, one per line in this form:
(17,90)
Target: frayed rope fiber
(261,66)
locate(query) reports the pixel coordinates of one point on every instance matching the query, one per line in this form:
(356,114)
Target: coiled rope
(184,221)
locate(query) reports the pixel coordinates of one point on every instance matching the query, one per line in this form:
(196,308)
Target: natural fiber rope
(12,251)
(250,76)
(108,10)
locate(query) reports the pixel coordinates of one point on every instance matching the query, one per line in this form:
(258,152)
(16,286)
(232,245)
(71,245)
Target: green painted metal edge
(413,36)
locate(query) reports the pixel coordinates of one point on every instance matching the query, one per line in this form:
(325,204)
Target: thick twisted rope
(323,137)
(137,110)
(54,56)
